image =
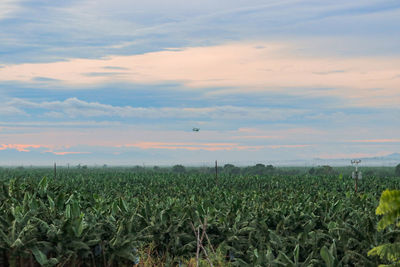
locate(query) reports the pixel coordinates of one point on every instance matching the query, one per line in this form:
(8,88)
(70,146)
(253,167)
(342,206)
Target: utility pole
(356,175)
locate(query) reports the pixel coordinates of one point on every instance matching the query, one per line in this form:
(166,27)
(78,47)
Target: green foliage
(388,252)
(324,170)
(389,208)
(118,217)
(397,170)
(178,169)
(231,169)
(258,169)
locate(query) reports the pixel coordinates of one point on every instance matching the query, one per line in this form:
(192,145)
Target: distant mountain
(394,156)
(388,160)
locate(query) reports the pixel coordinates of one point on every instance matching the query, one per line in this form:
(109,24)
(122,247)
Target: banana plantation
(115,217)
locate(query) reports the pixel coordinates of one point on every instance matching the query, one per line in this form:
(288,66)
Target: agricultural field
(121,217)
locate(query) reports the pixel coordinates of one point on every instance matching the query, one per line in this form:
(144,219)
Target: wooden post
(55,170)
(216,173)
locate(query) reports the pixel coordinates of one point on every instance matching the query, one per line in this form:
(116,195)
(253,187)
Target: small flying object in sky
(196,129)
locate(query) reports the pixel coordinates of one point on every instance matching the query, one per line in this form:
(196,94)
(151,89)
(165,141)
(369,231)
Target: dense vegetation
(119,216)
(389,207)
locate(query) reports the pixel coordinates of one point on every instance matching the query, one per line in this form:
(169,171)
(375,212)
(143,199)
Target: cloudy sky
(125,81)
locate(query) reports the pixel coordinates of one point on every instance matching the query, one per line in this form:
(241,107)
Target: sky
(124,82)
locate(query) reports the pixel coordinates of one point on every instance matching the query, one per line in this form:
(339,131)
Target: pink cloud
(377,141)
(21,147)
(67,152)
(236,65)
(287,146)
(28,147)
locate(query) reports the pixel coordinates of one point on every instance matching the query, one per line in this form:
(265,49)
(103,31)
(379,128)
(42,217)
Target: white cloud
(7,7)
(76,108)
(8,110)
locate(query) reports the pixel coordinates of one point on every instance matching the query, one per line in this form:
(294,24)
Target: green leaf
(123,205)
(78,245)
(40,257)
(78,226)
(17,243)
(51,203)
(296,253)
(255,253)
(327,256)
(390,201)
(68,211)
(390,252)
(43,184)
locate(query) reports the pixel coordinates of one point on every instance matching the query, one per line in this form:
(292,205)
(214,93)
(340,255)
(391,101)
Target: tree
(325,170)
(397,170)
(178,169)
(270,168)
(259,169)
(231,169)
(389,207)
(228,166)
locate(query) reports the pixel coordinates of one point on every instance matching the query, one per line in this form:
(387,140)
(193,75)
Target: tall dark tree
(178,169)
(231,169)
(397,170)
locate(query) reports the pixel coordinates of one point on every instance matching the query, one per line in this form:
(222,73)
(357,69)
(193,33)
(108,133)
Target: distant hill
(394,156)
(388,160)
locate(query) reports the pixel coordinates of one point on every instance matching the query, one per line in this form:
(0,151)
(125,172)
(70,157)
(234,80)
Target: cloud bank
(240,67)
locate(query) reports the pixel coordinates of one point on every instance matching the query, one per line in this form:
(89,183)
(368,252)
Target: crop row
(93,218)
